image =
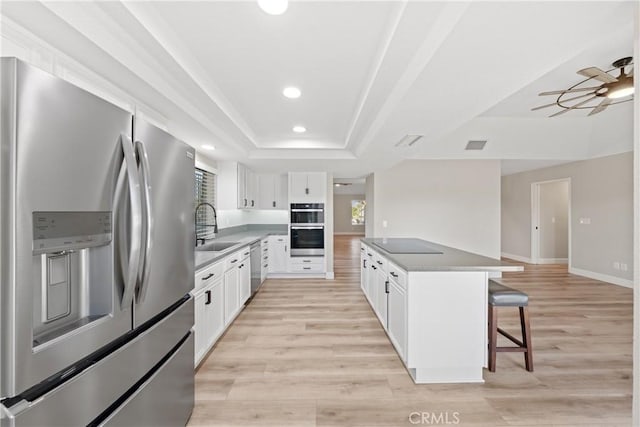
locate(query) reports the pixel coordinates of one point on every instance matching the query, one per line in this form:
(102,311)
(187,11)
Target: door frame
(535,219)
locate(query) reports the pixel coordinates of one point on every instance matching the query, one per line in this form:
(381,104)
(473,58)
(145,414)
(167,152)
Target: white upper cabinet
(272,191)
(307,187)
(247,188)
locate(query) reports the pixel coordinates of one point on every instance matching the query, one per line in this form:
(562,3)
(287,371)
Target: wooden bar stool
(503,296)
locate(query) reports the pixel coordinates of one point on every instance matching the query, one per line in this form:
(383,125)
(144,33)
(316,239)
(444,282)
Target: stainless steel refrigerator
(96,260)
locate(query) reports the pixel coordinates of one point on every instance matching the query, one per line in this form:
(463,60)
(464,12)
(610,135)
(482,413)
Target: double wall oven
(307,229)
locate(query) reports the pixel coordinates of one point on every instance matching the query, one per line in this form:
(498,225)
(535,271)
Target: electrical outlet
(623,266)
(616,265)
(384,223)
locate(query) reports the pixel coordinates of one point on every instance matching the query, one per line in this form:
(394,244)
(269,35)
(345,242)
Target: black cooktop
(406,246)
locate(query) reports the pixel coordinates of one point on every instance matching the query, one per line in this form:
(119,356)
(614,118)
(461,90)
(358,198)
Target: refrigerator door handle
(146,184)
(133,266)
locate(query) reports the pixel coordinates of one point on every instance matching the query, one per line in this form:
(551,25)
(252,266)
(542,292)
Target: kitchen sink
(215,246)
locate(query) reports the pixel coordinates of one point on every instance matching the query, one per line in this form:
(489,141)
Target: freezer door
(61,154)
(168,178)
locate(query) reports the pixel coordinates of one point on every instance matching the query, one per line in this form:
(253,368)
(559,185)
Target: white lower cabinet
(231,294)
(244,278)
(381,284)
(412,307)
(314,264)
(397,318)
(278,254)
(221,291)
(209,317)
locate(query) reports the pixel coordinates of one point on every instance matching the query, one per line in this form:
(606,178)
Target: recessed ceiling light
(208,147)
(299,129)
(274,7)
(291,92)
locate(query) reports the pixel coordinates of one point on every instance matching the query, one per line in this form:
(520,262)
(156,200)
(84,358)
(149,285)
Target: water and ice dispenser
(73,260)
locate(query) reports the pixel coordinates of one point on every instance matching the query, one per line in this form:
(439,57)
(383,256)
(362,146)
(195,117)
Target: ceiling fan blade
(601,107)
(566,100)
(558,92)
(579,104)
(598,74)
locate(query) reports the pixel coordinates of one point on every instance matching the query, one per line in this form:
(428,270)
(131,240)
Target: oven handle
(307,210)
(307,228)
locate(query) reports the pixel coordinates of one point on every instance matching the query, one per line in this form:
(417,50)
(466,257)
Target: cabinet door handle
(386,287)
(245,202)
(285,248)
(368,253)
(394,274)
(274,204)
(241,265)
(208,277)
(266,265)
(306,268)
(364,263)
(252,203)
(374,267)
(379,262)
(208,294)
(306,191)
(306,260)
(234,261)
(246,253)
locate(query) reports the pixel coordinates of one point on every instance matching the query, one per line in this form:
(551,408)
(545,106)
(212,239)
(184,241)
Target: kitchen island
(431,300)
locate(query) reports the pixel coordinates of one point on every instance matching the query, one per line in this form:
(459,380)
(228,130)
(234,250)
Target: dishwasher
(254,261)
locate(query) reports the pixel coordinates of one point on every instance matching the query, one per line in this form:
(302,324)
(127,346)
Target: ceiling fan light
(620,92)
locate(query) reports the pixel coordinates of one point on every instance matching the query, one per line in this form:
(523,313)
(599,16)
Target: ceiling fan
(610,92)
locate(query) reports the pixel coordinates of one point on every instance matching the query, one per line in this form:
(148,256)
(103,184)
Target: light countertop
(244,238)
(451,259)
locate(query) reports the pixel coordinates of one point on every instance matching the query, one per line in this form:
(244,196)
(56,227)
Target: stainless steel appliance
(307,240)
(256,267)
(307,213)
(96,260)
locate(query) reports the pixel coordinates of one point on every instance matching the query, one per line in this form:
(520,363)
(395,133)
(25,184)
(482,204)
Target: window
(205,192)
(357,212)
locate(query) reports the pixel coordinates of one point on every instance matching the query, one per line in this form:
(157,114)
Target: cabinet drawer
(208,275)
(232,260)
(265,242)
(278,238)
(313,260)
(380,262)
(306,268)
(397,275)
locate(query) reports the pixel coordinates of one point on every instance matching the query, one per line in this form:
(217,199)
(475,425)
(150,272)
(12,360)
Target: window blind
(205,192)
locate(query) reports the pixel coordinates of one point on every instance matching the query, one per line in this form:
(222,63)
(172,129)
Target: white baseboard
(553,261)
(602,277)
(516,257)
(330,275)
(348,233)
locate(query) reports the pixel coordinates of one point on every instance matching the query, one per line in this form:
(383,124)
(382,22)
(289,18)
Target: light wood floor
(312,353)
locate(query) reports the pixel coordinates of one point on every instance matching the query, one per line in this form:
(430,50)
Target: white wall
(554,220)
(342,214)
(328,227)
(369,214)
(452,202)
(602,191)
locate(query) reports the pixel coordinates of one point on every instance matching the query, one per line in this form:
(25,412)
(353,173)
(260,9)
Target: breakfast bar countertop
(438,258)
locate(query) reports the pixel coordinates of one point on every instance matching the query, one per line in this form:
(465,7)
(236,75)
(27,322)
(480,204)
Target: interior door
(167,272)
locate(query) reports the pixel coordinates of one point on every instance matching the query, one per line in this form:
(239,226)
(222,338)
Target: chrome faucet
(214,225)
